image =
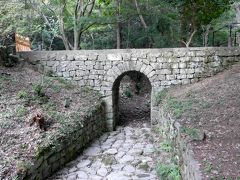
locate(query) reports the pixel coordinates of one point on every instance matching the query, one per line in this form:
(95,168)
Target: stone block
(190,71)
(152,59)
(89,67)
(161,77)
(102,57)
(175,82)
(151,74)
(186,81)
(168,54)
(191,53)
(66,74)
(81,57)
(182,65)
(80,73)
(62,57)
(148,70)
(185,59)
(181,76)
(165,83)
(99,66)
(170,77)
(72,73)
(162,59)
(139,65)
(179,53)
(144,66)
(114,57)
(165,71)
(116,71)
(175,66)
(50,63)
(78,63)
(145,61)
(70,57)
(190,76)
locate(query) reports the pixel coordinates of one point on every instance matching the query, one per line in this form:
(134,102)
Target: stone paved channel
(124,154)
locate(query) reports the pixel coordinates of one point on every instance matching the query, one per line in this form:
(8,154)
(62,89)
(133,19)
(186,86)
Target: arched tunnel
(132,99)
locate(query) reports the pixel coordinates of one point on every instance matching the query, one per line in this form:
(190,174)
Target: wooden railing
(22,43)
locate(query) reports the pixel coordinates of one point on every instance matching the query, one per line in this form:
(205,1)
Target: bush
(168,171)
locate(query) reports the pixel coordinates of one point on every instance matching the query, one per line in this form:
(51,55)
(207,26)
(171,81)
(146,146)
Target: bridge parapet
(99,69)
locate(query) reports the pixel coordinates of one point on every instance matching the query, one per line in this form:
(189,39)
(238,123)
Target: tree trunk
(151,42)
(206,34)
(62,31)
(76,37)
(118,25)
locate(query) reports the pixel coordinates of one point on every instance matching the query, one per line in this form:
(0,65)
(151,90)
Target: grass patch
(22,94)
(166,146)
(177,107)
(168,171)
(21,111)
(38,90)
(207,166)
(160,96)
(191,132)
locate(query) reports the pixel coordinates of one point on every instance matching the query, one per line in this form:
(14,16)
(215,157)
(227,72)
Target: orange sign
(22,43)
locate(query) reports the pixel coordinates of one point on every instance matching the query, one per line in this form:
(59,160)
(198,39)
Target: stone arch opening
(131,97)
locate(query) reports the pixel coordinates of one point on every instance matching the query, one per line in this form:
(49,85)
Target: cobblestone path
(125,154)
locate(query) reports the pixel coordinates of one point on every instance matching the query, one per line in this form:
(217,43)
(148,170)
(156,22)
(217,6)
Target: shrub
(38,89)
(168,171)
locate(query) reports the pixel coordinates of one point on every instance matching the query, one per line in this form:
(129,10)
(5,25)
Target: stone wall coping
(110,51)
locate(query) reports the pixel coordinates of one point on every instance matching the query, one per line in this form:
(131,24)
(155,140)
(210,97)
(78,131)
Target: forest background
(107,24)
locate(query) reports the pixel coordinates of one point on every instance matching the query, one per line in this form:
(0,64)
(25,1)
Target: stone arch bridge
(102,69)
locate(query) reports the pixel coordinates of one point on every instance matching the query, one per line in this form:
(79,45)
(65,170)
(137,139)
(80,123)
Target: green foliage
(167,22)
(166,146)
(22,94)
(38,89)
(160,96)
(191,132)
(177,107)
(21,111)
(23,166)
(168,171)
(138,87)
(128,93)
(207,166)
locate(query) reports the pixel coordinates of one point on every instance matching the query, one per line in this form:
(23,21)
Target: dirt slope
(213,106)
(25,92)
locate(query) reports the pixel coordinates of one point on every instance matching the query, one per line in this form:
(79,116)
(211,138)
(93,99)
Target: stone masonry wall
(190,168)
(163,67)
(49,160)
